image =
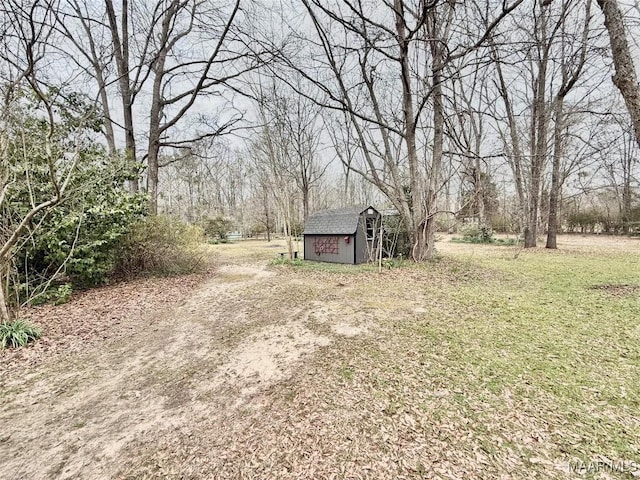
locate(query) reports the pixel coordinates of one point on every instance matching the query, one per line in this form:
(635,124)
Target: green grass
(17,333)
(535,329)
(521,358)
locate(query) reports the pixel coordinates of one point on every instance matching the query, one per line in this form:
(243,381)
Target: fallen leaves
(427,381)
(98,315)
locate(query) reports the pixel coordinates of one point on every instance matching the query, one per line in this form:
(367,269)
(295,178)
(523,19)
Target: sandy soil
(79,413)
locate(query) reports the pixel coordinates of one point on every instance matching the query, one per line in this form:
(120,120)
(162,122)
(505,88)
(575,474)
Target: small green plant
(283,260)
(396,262)
(346,372)
(17,334)
(63,294)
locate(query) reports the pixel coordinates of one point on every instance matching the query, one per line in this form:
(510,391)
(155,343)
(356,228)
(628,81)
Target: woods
(518,116)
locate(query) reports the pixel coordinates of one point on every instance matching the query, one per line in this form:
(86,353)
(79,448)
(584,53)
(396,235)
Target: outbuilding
(343,235)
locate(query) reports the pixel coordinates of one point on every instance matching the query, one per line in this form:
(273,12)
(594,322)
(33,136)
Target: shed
(343,235)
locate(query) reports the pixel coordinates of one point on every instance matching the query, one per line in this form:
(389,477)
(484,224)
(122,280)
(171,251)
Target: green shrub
(77,241)
(477,234)
(63,294)
(56,294)
(217,228)
(395,262)
(17,334)
(161,245)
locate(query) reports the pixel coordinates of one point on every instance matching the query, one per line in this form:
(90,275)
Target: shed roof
(339,221)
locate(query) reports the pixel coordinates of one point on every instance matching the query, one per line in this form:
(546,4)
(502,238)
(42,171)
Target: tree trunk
(554,194)
(266,215)
(625,78)
(120,42)
(437,154)
(626,193)
(538,137)
(5,315)
(417,212)
(305,201)
(155,117)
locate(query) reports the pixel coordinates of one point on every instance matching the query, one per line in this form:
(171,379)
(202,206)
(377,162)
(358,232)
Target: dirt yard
(276,372)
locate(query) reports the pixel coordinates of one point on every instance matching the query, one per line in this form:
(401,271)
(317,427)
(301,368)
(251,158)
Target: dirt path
(83,415)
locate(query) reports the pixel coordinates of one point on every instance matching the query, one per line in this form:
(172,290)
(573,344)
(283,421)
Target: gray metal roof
(339,221)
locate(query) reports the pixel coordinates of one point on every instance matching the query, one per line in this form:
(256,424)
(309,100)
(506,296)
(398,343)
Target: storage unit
(343,235)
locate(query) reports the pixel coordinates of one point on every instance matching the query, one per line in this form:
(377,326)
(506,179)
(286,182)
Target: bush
(77,241)
(477,234)
(217,228)
(63,294)
(396,262)
(57,295)
(161,245)
(17,334)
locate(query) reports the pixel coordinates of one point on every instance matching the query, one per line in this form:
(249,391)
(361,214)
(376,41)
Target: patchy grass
(522,353)
(507,242)
(337,268)
(482,365)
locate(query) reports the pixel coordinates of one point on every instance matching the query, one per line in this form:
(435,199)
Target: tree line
(524,114)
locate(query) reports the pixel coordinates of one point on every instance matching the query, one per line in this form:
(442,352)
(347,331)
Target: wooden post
(380,249)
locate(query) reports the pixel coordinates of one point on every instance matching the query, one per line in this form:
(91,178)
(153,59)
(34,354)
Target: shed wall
(329,248)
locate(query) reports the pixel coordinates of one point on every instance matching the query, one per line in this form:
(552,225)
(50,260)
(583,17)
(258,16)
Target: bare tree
(572,59)
(467,131)
(625,78)
(385,67)
(298,125)
(171,57)
(88,40)
(273,158)
(553,47)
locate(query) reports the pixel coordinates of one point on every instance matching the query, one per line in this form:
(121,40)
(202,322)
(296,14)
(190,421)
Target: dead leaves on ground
(98,315)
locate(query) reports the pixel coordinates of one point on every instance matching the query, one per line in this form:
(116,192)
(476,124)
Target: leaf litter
(282,374)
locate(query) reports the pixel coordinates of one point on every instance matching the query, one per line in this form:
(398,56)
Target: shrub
(17,334)
(63,294)
(161,245)
(396,262)
(56,294)
(77,241)
(477,234)
(217,228)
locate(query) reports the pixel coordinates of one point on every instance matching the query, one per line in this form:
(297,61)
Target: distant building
(343,235)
